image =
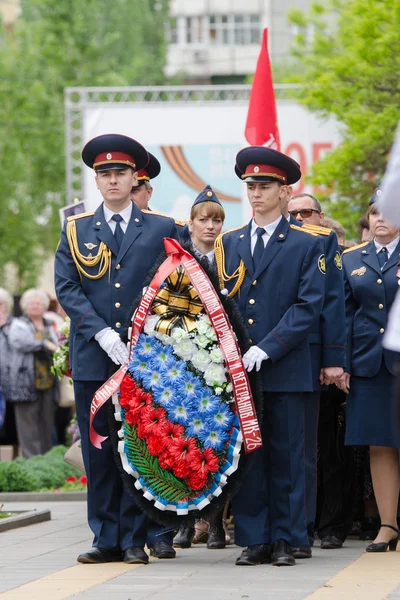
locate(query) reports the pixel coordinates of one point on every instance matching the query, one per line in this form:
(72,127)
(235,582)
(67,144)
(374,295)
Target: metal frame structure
(77,98)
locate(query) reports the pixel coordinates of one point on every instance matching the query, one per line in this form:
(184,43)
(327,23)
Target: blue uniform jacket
(280,301)
(93,304)
(370,293)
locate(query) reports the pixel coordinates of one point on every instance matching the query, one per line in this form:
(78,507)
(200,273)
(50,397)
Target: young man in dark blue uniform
(328,350)
(101,263)
(276,273)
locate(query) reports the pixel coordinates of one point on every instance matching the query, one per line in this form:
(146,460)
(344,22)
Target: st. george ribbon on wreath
(183,408)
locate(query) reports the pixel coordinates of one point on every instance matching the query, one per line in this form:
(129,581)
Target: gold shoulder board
(317,229)
(80,216)
(355,247)
(158,214)
(231,230)
(304,230)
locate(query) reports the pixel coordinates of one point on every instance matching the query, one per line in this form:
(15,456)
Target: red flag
(262,122)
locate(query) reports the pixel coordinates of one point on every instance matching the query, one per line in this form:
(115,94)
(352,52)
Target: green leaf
(160,481)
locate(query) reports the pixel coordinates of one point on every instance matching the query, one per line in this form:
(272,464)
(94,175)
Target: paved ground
(39,563)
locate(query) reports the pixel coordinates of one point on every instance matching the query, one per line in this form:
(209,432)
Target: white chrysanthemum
(202,327)
(229,388)
(216,355)
(218,391)
(202,341)
(150,324)
(215,375)
(185,349)
(178,334)
(201,360)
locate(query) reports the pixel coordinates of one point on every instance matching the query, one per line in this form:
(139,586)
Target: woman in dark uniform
(372,278)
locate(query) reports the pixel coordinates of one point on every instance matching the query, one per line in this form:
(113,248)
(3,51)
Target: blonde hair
(210,209)
(33,293)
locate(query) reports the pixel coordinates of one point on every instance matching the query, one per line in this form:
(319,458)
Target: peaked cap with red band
(151,171)
(114,151)
(257,163)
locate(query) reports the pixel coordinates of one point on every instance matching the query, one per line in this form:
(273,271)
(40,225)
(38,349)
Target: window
(238,29)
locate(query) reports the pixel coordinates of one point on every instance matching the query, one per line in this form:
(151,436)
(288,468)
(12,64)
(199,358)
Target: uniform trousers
(335,468)
(113,516)
(311,412)
(270,505)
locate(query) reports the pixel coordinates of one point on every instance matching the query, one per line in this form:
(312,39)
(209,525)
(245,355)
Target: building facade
(219,40)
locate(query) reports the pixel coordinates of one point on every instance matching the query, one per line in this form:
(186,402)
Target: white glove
(110,341)
(254,356)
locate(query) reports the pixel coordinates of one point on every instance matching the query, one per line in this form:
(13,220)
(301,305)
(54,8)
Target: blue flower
(196,424)
(174,372)
(163,394)
(206,403)
(214,438)
(222,418)
(179,410)
(190,386)
(162,359)
(147,346)
(151,378)
(138,366)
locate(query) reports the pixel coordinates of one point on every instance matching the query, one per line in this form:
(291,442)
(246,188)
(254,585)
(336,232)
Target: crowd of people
(316,308)
(35,418)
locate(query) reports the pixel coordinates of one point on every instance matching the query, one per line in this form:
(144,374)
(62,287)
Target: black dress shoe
(162,550)
(301,552)
(255,555)
(135,556)
(383,546)
(282,555)
(184,537)
(331,542)
(100,555)
(216,538)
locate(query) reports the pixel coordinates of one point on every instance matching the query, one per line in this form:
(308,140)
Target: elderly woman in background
(34,341)
(372,278)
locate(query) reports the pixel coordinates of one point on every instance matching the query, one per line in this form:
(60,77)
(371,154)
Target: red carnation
(173,430)
(205,462)
(155,445)
(71,479)
(181,469)
(127,389)
(165,460)
(132,417)
(83,480)
(197,480)
(152,420)
(182,449)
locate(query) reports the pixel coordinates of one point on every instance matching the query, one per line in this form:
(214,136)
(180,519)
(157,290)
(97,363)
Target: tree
(54,45)
(352,72)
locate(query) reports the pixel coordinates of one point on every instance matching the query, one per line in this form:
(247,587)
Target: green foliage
(159,481)
(54,45)
(351,72)
(47,471)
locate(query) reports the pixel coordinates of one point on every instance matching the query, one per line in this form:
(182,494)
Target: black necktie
(118,233)
(259,247)
(382,256)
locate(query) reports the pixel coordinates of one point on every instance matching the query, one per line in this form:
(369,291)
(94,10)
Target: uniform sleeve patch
(322,264)
(338,261)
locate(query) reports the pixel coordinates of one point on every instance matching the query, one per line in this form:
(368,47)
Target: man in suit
(276,274)
(101,263)
(328,351)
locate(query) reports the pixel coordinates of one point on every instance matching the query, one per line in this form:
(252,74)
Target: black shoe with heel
(383,546)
